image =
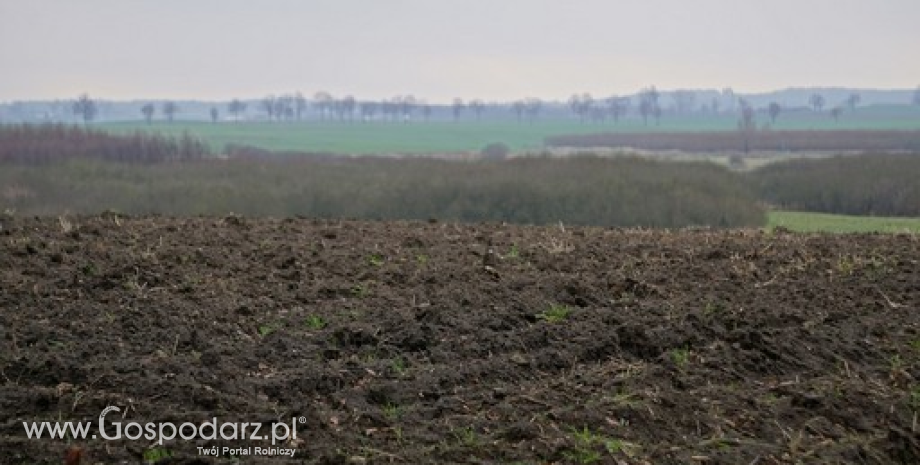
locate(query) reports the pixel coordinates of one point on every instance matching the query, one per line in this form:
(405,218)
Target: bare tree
(617,107)
(390,109)
(853,100)
(598,113)
(300,105)
(405,106)
(747,124)
(729,94)
(268,104)
(477,106)
(85,108)
(148,110)
(367,110)
(214,114)
(684,100)
(170,109)
(645,109)
(836,112)
(235,107)
(817,102)
(774,109)
(323,102)
(575,105)
(747,119)
(284,107)
(345,107)
(57,109)
(457,108)
(648,104)
(533,106)
(426,111)
(518,107)
(581,105)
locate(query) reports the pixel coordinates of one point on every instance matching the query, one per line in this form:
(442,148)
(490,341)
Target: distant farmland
(824,222)
(471,136)
(734,141)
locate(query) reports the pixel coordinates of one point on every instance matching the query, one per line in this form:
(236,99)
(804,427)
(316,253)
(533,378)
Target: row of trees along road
(584,107)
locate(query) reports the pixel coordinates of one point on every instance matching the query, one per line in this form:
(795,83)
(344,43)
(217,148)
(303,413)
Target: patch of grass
(624,399)
(876,268)
(823,222)
(155,455)
(555,314)
(392,412)
(713,308)
(589,446)
(583,455)
(914,400)
(896,363)
(514,253)
(315,322)
(584,438)
(399,366)
(846,265)
(376,260)
(89,269)
(615,446)
(360,291)
(680,357)
(421,259)
(267,328)
(467,436)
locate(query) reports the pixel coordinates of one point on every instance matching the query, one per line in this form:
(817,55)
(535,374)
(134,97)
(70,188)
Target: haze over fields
(440,50)
(460,231)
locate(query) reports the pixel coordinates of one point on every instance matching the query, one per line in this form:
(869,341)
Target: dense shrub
(578,190)
(884,185)
(41,144)
(496,151)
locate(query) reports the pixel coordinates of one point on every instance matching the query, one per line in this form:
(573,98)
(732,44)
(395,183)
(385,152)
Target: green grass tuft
(555,314)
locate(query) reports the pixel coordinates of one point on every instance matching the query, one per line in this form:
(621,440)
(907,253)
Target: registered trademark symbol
(302,420)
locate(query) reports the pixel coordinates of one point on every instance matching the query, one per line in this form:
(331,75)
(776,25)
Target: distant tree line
(882,185)
(650,105)
(583,106)
(42,144)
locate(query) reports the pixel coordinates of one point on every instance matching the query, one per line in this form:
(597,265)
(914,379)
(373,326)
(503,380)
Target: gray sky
(441,49)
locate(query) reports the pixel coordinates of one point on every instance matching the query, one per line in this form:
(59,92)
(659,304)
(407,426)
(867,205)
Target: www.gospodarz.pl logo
(160,432)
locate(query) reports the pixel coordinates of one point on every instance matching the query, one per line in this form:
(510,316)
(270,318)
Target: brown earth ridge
(415,342)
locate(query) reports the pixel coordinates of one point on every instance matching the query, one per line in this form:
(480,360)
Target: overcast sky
(441,49)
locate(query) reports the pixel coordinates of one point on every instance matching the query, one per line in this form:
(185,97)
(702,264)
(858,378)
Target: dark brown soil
(413,343)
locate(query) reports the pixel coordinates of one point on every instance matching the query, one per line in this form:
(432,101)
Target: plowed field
(443,343)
